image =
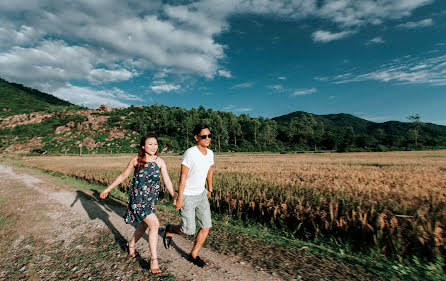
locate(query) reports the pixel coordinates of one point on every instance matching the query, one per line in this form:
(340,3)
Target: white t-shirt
(198,165)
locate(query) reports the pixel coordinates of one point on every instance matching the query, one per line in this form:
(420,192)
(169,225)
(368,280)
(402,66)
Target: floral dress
(143,194)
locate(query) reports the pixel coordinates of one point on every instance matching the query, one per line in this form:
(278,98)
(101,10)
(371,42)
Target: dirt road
(75,214)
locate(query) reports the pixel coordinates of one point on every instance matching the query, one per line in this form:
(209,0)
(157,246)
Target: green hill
(335,122)
(61,127)
(331,122)
(17,99)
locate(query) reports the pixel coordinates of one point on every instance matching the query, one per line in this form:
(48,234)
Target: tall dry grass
(392,203)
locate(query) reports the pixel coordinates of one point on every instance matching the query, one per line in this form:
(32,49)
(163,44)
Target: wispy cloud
(277,88)
(406,70)
(161,74)
(303,92)
(359,13)
(236,109)
(323,36)
(281,78)
(243,85)
(416,24)
(376,40)
(224,73)
(165,88)
(92,98)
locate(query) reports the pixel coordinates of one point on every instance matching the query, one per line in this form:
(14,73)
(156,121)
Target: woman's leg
(139,232)
(153,223)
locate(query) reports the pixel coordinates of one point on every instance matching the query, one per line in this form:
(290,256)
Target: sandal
(167,241)
(154,270)
(127,249)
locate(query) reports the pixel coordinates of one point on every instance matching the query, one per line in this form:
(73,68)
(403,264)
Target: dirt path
(78,213)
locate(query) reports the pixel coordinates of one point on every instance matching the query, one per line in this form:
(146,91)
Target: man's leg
(199,240)
(203,212)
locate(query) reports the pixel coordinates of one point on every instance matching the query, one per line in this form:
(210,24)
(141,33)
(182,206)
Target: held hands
(178,203)
(175,196)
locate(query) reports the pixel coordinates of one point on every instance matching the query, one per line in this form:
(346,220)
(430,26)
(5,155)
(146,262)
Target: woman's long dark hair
(142,152)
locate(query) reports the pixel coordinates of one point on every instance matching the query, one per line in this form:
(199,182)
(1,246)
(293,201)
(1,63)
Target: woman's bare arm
(125,174)
(166,178)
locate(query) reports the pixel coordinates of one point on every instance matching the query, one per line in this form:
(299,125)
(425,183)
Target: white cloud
(406,70)
(278,88)
(281,78)
(349,13)
(93,98)
(302,92)
(161,74)
(318,78)
(376,40)
(326,36)
(105,75)
(242,85)
(416,24)
(49,43)
(224,73)
(23,36)
(165,88)
(233,108)
(55,63)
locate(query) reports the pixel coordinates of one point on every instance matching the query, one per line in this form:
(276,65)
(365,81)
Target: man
(193,198)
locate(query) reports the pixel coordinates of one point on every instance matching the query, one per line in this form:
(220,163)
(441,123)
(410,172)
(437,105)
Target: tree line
(303,132)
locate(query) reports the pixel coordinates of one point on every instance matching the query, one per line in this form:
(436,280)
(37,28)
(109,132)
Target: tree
(306,128)
(256,124)
(416,125)
(187,125)
(235,128)
(347,138)
(318,133)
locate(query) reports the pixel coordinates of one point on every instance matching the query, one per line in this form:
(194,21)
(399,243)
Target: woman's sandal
(154,270)
(127,249)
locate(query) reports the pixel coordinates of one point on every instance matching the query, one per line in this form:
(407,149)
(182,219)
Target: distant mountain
(334,122)
(17,99)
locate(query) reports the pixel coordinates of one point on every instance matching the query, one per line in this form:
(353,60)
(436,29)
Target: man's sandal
(167,241)
(127,249)
(154,270)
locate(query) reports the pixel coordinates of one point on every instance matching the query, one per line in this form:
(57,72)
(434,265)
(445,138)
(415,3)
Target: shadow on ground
(91,204)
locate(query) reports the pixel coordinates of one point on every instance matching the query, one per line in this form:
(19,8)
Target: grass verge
(271,250)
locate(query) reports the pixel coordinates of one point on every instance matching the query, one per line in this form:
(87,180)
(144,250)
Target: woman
(143,195)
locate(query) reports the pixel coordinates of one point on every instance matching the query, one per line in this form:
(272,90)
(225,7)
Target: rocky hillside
(65,132)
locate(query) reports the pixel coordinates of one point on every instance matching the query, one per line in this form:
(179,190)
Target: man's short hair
(198,128)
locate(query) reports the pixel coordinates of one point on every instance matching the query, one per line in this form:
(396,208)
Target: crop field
(392,203)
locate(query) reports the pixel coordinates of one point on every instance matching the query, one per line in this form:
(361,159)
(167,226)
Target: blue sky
(376,59)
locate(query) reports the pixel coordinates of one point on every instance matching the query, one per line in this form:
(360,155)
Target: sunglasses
(203,137)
